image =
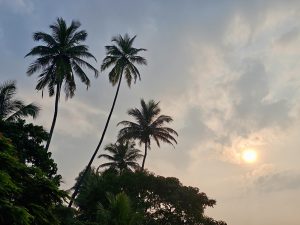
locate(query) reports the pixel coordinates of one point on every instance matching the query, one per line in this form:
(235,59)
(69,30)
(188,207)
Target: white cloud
(18,6)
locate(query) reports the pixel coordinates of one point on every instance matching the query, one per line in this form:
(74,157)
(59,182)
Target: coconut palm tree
(60,58)
(12,109)
(149,124)
(123,156)
(122,57)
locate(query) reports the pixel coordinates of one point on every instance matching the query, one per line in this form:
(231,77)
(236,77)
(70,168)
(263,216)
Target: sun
(249,156)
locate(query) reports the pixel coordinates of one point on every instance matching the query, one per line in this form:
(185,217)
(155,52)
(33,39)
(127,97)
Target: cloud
(18,6)
(279,181)
(289,37)
(267,178)
(251,90)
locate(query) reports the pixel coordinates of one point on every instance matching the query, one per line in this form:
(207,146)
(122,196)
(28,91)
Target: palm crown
(123,156)
(61,57)
(149,125)
(12,109)
(122,56)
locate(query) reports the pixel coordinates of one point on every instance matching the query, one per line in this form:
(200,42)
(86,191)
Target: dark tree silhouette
(161,200)
(59,60)
(123,156)
(122,57)
(12,109)
(29,190)
(149,125)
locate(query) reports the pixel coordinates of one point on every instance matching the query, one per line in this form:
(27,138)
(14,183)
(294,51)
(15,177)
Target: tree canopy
(162,200)
(29,190)
(28,140)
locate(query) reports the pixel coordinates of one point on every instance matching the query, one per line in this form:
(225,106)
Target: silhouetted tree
(149,124)
(122,57)
(12,109)
(59,60)
(29,190)
(122,157)
(161,200)
(28,139)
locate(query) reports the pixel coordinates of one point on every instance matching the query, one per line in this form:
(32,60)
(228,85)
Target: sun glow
(249,156)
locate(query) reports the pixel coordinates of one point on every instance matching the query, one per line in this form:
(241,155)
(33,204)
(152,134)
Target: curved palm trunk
(145,155)
(77,186)
(54,116)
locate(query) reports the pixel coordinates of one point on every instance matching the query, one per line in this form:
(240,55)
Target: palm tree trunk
(145,155)
(54,116)
(77,186)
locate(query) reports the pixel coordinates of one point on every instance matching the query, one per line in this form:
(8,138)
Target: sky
(227,71)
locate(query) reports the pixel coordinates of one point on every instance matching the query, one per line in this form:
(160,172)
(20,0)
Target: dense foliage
(29,191)
(28,140)
(161,200)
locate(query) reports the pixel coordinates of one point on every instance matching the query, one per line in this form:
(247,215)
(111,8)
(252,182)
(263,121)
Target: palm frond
(109,164)
(114,75)
(161,120)
(168,130)
(25,111)
(137,115)
(46,38)
(7,90)
(130,40)
(72,28)
(79,72)
(86,64)
(134,72)
(12,109)
(106,156)
(128,76)
(165,135)
(135,51)
(69,85)
(41,50)
(78,37)
(112,50)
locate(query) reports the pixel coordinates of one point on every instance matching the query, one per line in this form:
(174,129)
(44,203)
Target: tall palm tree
(149,124)
(122,57)
(12,109)
(59,60)
(123,156)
